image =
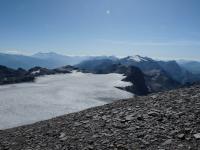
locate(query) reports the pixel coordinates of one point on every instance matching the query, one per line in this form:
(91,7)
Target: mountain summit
(138,58)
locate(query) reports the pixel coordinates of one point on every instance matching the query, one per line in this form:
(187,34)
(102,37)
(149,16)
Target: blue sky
(157,28)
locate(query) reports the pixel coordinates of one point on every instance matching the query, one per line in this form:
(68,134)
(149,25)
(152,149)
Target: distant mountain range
(192,66)
(158,75)
(48,60)
(53,60)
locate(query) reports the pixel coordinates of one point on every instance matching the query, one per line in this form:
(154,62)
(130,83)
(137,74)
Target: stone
(129,109)
(140,118)
(154,96)
(167,142)
(85,121)
(173,132)
(64,138)
(77,124)
(145,142)
(197,136)
(180,145)
(104,117)
(129,118)
(188,129)
(153,113)
(181,136)
(62,135)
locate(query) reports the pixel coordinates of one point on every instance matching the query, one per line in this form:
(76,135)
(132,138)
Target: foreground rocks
(163,121)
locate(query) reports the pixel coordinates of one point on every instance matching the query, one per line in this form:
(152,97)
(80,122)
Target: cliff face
(169,120)
(135,76)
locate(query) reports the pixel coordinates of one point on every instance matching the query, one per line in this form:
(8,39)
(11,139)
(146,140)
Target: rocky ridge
(11,76)
(163,121)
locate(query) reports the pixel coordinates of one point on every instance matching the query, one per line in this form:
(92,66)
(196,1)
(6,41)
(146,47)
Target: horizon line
(70,55)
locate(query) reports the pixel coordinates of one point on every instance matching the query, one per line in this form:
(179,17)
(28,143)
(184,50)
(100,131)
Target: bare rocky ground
(163,121)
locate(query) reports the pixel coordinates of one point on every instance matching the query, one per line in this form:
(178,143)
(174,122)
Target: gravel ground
(163,121)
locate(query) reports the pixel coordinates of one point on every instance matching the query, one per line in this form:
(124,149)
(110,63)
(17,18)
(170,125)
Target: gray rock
(129,118)
(62,135)
(153,113)
(197,135)
(181,136)
(167,142)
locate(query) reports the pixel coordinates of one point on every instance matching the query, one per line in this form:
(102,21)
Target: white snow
(138,58)
(56,95)
(35,72)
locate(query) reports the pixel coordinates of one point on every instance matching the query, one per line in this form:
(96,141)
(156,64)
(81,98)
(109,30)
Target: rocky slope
(164,121)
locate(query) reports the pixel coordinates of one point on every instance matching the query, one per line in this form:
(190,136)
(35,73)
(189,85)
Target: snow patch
(136,58)
(35,72)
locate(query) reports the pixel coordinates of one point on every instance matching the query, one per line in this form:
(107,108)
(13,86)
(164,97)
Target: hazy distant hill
(192,66)
(58,60)
(48,60)
(21,61)
(177,72)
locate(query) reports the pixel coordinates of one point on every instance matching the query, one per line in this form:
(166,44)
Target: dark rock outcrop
(39,71)
(135,76)
(162,121)
(11,76)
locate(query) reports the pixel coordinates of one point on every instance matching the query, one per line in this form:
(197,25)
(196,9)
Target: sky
(168,29)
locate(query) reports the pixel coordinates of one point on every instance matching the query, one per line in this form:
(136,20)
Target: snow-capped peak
(137,58)
(35,72)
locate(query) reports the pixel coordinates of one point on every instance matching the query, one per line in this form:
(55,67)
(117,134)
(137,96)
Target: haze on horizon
(158,29)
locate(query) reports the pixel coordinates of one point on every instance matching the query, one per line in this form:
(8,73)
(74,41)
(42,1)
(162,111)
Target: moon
(107,12)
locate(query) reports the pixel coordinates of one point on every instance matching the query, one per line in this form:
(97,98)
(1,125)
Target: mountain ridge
(159,75)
